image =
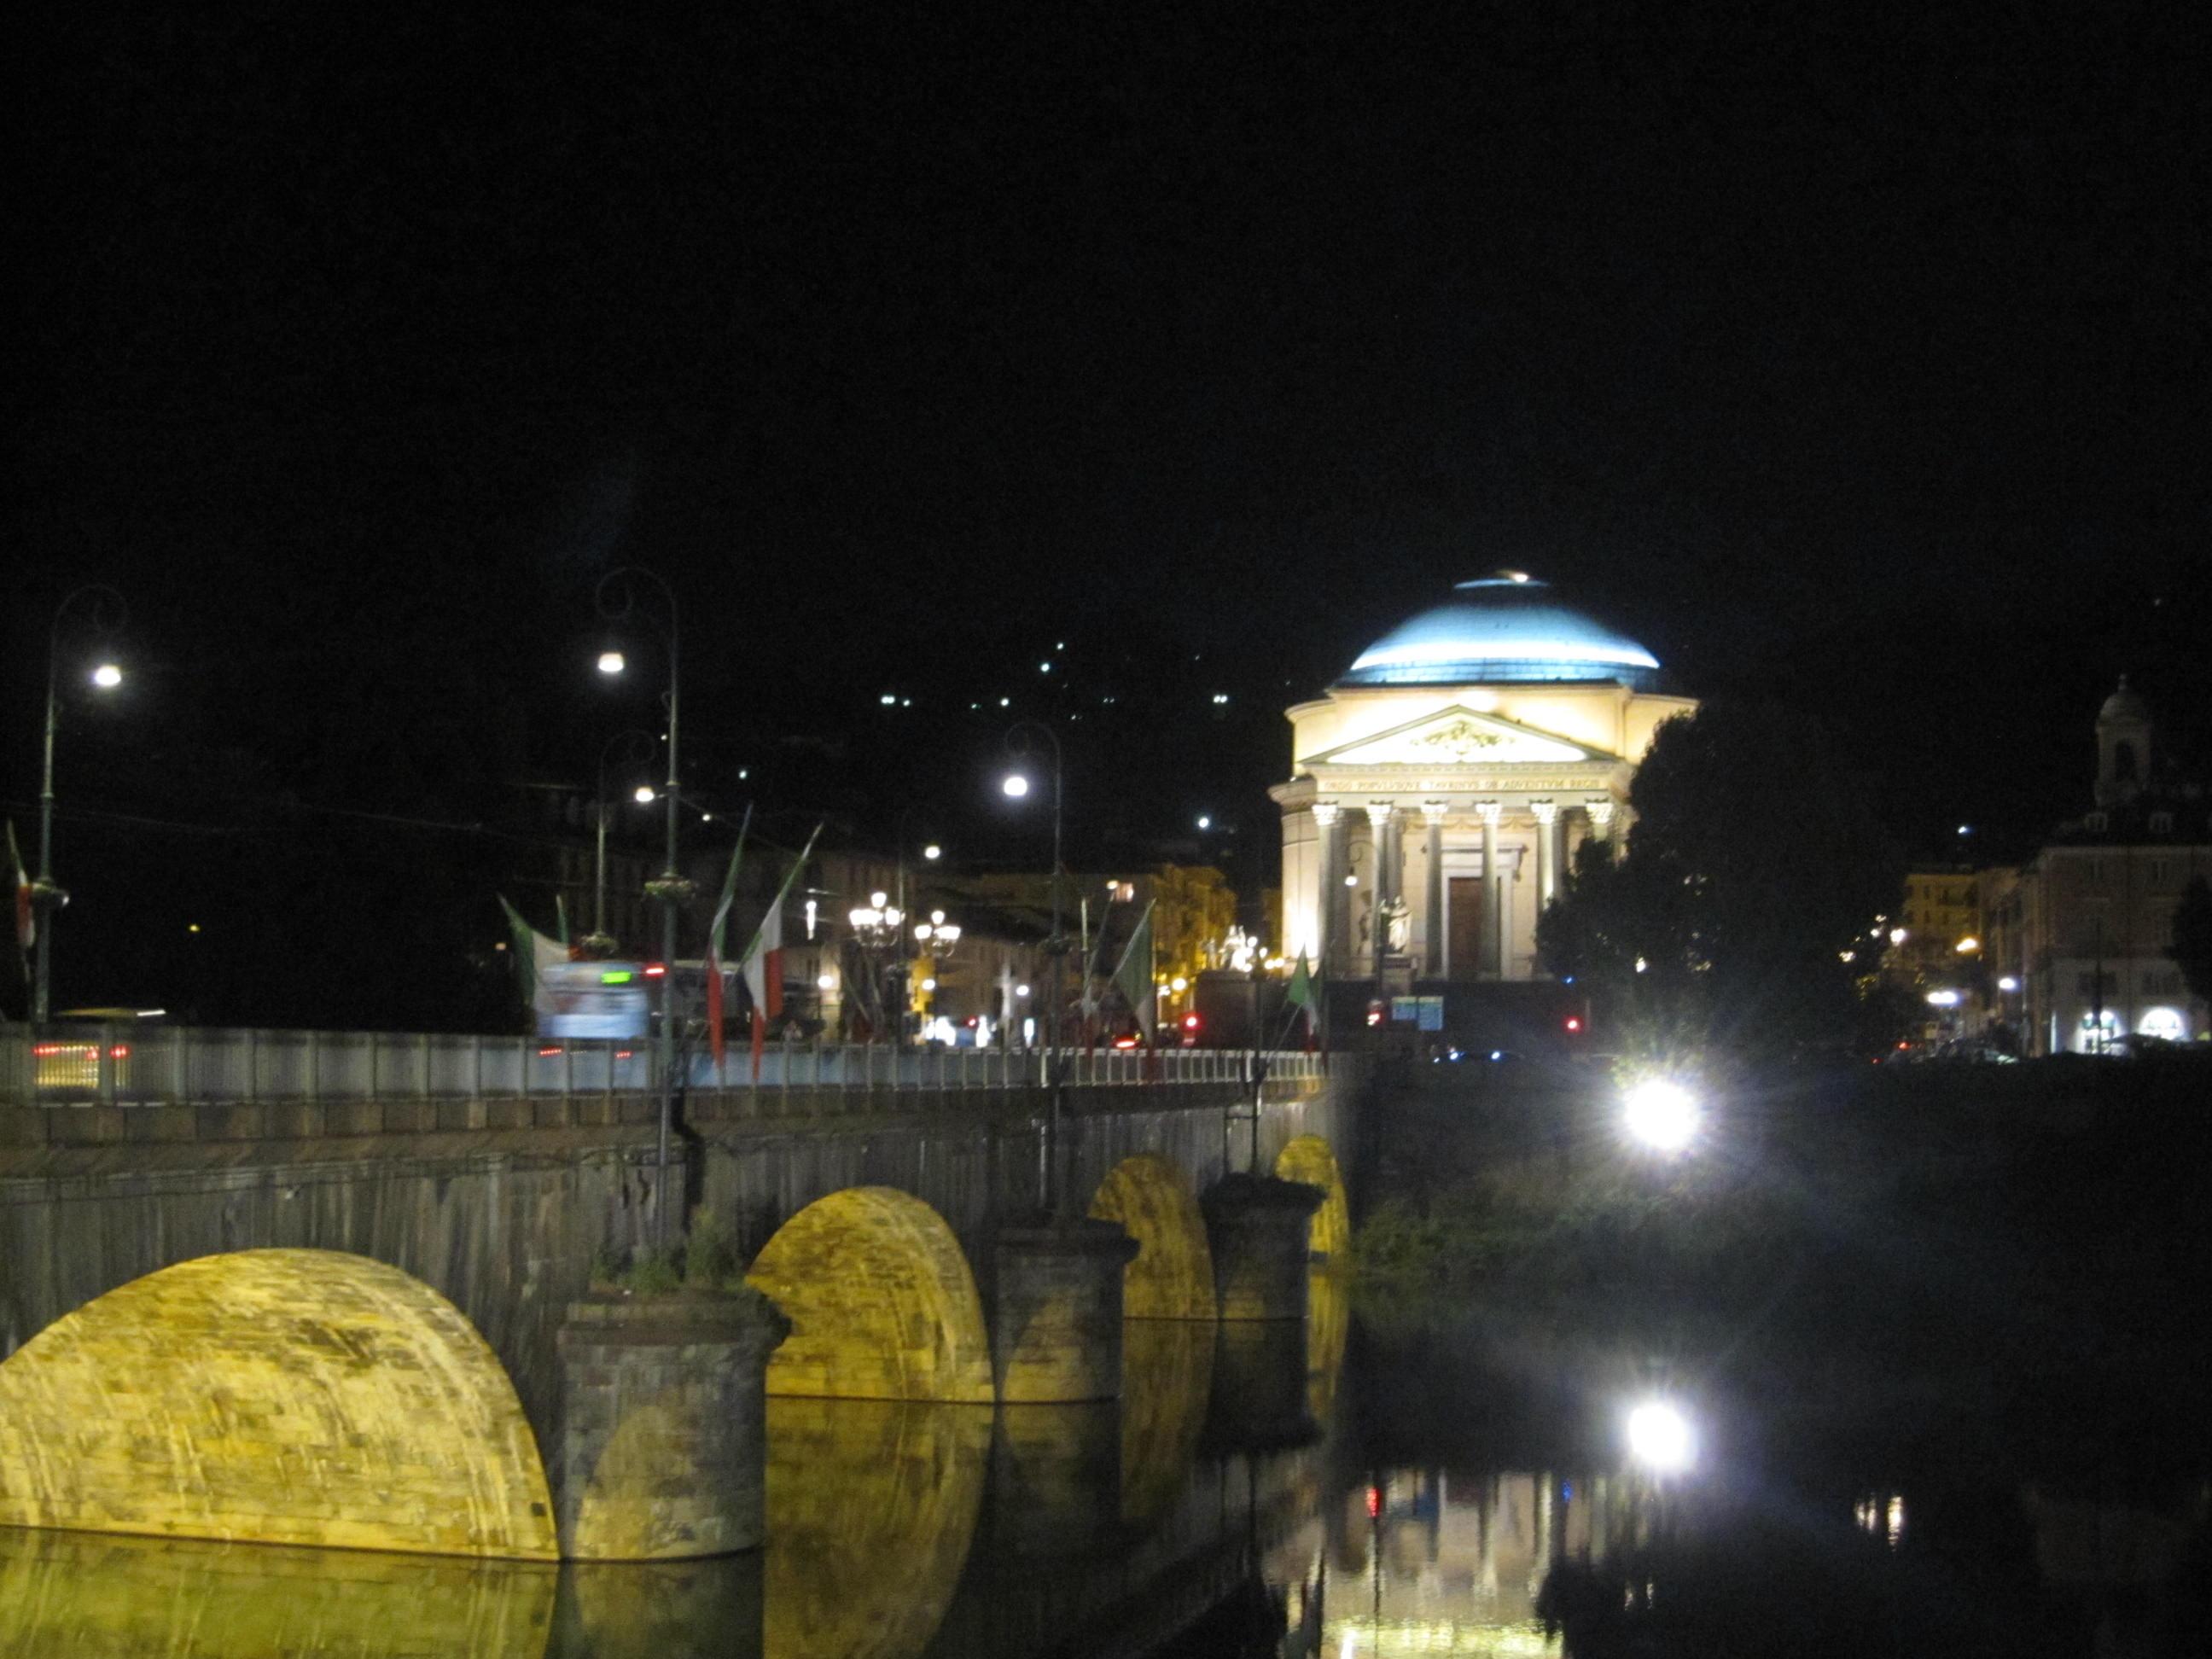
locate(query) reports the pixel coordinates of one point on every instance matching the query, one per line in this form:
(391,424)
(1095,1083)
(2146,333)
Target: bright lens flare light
(610,662)
(1660,1115)
(1016,785)
(1659,1439)
(108,677)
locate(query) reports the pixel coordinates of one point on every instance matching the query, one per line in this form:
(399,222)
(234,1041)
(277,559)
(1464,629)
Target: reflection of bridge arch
(278,1396)
(1171,1276)
(1308,1158)
(872,1508)
(881,1302)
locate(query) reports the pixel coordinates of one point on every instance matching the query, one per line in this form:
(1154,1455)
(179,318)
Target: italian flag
(534,952)
(763,963)
(27,910)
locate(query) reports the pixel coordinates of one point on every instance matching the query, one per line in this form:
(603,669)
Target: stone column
(1382,839)
(1494,944)
(1258,1230)
(1601,817)
(1547,849)
(1328,910)
(1056,1325)
(663,1438)
(1432,925)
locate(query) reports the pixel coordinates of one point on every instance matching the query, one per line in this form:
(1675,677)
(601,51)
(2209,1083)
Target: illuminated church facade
(1440,789)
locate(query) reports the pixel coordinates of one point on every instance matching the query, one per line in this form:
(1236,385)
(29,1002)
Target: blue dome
(1505,628)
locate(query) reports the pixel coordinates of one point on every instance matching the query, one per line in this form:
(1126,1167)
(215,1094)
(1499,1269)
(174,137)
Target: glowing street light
(1015,785)
(611,662)
(1660,1115)
(1968,945)
(2007,983)
(1660,1437)
(103,608)
(933,851)
(643,794)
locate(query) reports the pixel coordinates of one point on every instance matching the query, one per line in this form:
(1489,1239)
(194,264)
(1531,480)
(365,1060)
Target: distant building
(2085,928)
(1439,790)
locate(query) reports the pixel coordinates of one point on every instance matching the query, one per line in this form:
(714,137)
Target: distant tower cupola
(2123,747)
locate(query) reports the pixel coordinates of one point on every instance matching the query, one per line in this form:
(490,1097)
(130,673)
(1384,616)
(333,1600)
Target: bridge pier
(1257,1228)
(1056,1324)
(664,1445)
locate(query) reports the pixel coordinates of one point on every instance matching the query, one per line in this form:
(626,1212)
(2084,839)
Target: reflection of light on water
(1883,1516)
(1401,1638)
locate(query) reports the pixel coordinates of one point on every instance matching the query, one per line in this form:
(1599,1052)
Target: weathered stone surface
(1056,1318)
(664,1440)
(881,1302)
(1171,1276)
(273,1396)
(1260,1230)
(1308,1158)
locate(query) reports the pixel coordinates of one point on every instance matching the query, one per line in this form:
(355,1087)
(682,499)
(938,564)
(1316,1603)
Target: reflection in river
(91,1596)
(871,1505)
(1256,1494)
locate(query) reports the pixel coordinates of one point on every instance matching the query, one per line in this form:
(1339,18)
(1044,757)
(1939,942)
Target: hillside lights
(1660,1114)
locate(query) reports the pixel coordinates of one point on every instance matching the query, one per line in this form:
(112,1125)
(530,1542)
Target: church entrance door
(1465,908)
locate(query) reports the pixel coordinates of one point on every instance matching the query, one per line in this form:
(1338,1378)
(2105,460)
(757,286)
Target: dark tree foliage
(2192,938)
(1755,866)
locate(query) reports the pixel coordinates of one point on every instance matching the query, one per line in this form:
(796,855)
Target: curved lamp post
(637,748)
(103,608)
(1017,785)
(616,601)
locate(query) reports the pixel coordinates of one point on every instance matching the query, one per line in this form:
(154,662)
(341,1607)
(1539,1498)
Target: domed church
(1439,789)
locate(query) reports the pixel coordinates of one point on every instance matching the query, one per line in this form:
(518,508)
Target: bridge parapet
(141,1065)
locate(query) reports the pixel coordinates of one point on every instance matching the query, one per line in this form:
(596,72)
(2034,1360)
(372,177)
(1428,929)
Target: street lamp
(1016,785)
(104,611)
(1660,1115)
(617,599)
(1660,1437)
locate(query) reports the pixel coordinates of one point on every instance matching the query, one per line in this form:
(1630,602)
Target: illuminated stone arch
(273,1397)
(881,1302)
(1171,1276)
(1308,1158)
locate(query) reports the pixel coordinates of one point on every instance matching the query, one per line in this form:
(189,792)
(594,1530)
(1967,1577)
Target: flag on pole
(762,962)
(714,965)
(1133,976)
(533,952)
(27,910)
(1300,994)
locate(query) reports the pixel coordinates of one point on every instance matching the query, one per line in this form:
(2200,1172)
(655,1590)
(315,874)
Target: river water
(1332,1491)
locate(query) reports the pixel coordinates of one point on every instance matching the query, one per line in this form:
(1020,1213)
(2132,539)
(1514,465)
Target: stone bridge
(370,1320)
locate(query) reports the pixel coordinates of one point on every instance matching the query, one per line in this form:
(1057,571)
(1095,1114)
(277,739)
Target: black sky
(1860,359)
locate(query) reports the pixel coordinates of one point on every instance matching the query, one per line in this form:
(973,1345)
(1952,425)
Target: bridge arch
(881,1302)
(1308,1158)
(282,1396)
(1171,1275)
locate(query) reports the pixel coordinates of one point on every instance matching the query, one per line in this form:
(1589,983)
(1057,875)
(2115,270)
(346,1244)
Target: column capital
(1546,811)
(1488,811)
(1325,813)
(1601,811)
(1380,813)
(1433,812)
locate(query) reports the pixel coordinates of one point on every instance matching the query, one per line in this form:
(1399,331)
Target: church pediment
(1460,737)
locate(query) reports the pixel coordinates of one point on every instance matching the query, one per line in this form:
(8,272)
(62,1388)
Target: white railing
(175,1065)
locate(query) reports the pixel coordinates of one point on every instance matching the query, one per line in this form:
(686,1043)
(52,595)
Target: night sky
(1859,363)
